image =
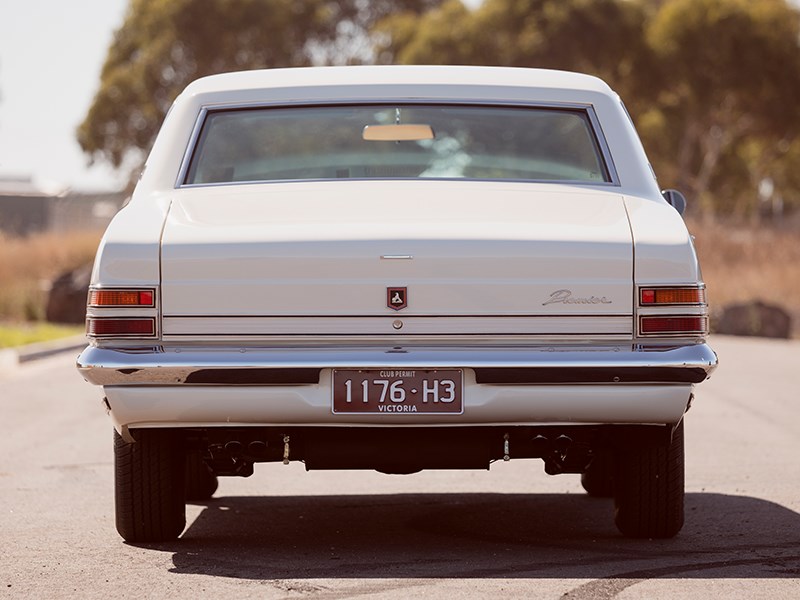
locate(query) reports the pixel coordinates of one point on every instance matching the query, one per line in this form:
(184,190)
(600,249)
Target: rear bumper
(292,387)
(165,366)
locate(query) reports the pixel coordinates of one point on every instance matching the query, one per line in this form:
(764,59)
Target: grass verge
(29,264)
(12,334)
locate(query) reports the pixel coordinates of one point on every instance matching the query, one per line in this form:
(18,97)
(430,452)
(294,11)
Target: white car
(397,268)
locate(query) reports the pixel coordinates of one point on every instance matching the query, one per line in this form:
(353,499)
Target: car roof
(403,75)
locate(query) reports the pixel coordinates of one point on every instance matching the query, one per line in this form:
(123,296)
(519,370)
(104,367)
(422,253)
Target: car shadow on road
(479,535)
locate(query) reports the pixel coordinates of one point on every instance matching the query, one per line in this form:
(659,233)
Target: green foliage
(730,83)
(12,335)
(442,36)
(599,37)
(165,44)
(713,85)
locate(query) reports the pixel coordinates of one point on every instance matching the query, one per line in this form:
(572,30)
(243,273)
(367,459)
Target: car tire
(201,483)
(649,489)
(598,479)
(149,486)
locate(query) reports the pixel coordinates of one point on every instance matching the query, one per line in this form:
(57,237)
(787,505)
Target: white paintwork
(315,248)
(664,249)
(246,267)
(128,254)
(499,326)
(140,406)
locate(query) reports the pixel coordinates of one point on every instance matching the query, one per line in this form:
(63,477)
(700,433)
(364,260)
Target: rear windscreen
(396,141)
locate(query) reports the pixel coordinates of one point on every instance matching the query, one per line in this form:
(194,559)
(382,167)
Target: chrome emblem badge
(396,298)
(566,297)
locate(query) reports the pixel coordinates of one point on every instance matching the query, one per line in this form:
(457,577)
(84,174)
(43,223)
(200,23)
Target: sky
(51,53)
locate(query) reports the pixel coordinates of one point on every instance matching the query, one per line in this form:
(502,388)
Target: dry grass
(29,264)
(744,262)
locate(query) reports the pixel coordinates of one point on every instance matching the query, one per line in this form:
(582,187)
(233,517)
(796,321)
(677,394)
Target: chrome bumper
(166,366)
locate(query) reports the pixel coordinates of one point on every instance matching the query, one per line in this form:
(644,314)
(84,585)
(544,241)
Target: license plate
(398,391)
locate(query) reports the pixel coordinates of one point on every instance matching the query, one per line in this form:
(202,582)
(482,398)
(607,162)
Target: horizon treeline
(712,85)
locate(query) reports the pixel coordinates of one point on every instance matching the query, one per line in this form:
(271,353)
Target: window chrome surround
(588,109)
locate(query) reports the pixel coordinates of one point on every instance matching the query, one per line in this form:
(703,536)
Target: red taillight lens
(676,295)
(658,325)
(106,327)
(121,298)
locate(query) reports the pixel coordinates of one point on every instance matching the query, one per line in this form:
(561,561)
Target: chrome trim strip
(190,146)
(599,184)
(605,151)
(382,325)
(389,101)
(176,365)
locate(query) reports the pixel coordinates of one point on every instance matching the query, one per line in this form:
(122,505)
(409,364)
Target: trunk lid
(332,249)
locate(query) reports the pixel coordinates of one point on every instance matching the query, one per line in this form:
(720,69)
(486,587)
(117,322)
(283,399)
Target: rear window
(396,141)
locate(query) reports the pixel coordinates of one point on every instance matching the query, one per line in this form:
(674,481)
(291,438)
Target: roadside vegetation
(711,84)
(29,264)
(21,334)
(746,262)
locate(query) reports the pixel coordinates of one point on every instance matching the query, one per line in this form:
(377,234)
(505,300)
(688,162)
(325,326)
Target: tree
(712,84)
(165,44)
(600,37)
(729,83)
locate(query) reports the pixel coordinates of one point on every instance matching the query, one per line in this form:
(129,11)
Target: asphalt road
(511,532)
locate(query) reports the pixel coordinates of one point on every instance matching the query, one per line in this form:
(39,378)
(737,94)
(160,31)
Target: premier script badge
(396,298)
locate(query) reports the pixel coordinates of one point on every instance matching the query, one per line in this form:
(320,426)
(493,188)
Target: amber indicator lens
(656,296)
(674,325)
(121,298)
(120,327)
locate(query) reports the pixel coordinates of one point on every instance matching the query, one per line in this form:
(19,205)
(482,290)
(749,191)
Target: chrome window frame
(587,108)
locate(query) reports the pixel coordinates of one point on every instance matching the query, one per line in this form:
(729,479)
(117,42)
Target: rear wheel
(201,483)
(648,489)
(149,486)
(598,479)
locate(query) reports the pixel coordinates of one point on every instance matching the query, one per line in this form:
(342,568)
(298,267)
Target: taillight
(673,325)
(672,296)
(122,298)
(120,327)
(122,312)
(691,321)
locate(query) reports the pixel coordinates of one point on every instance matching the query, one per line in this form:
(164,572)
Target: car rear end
(393,305)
